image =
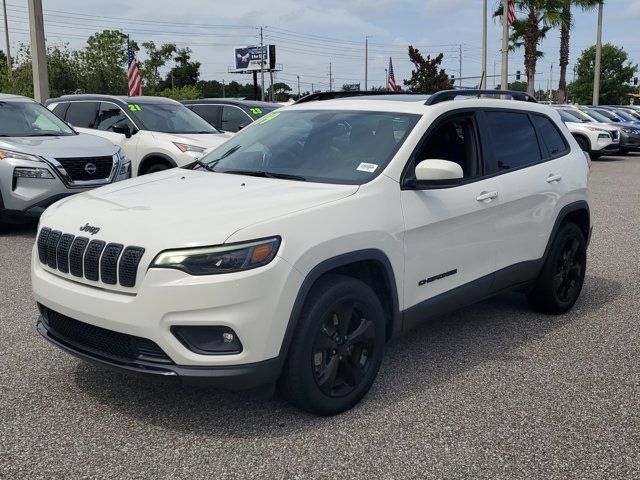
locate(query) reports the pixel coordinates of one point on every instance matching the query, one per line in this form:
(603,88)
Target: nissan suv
(156,133)
(42,160)
(296,250)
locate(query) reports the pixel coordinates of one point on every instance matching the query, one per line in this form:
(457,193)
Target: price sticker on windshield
(256,111)
(367,167)
(134,107)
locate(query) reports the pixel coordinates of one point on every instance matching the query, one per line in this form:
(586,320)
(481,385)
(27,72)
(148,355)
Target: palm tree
(539,16)
(565,28)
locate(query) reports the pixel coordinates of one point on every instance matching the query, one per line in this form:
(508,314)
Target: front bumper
(22,197)
(630,142)
(236,377)
(256,304)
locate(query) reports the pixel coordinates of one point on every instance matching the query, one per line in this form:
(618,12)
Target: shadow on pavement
(430,355)
(23,230)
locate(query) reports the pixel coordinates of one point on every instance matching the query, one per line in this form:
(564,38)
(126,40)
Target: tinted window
(211,113)
(453,140)
(82,114)
(60,109)
(233,118)
(109,115)
(551,137)
(514,139)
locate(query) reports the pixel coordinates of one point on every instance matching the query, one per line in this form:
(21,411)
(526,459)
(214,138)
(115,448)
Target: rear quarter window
(551,137)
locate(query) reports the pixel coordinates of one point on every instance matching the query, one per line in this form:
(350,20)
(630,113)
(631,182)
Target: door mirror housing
(123,129)
(438,170)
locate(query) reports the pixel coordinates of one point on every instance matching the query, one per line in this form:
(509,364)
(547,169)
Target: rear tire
(337,347)
(623,151)
(559,283)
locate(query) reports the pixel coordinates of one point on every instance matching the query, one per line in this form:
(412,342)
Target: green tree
(189,92)
(616,74)
(104,63)
(157,57)
(281,91)
(565,28)
(536,18)
(427,77)
(184,73)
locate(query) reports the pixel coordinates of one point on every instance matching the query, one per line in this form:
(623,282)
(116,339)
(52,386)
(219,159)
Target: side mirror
(123,129)
(438,170)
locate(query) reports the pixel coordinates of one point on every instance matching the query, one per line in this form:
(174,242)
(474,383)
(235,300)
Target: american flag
(511,14)
(391,84)
(135,82)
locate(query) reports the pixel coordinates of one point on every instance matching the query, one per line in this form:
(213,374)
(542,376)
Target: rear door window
(82,114)
(211,113)
(514,139)
(552,139)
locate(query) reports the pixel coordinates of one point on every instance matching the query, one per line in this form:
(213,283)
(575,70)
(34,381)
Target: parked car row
(46,156)
(603,130)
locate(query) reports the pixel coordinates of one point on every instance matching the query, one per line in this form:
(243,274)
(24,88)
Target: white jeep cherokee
(296,250)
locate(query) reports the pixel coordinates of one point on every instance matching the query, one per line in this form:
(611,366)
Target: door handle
(554,178)
(486,196)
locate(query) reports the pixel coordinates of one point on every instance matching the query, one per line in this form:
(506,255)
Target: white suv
(295,251)
(596,139)
(155,133)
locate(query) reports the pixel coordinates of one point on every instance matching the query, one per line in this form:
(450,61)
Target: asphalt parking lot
(492,391)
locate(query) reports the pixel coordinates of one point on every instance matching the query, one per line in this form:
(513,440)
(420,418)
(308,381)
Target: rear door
(528,154)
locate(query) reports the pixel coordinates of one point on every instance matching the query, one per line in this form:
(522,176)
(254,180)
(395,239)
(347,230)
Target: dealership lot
(492,391)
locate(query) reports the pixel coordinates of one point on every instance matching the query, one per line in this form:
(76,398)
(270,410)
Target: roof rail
(318,96)
(446,95)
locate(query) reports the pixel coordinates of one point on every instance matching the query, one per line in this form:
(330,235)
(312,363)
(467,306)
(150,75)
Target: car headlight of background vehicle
(183,147)
(26,172)
(220,259)
(125,163)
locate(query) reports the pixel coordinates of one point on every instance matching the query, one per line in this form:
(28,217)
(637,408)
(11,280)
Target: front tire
(157,167)
(337,348)
(559,284)
(583,144)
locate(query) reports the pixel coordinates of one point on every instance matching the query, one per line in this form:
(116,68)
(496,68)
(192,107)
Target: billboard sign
(247,59)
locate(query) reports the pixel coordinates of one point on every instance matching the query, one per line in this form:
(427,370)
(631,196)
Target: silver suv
(42,159)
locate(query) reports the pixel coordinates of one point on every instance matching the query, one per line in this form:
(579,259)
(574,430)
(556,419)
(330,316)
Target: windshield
(30,119)
(626,116)
(632,113)
(169,118)
(349,147)
(607,114)
(597,116)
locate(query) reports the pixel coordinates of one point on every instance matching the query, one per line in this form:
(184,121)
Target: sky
(310,34)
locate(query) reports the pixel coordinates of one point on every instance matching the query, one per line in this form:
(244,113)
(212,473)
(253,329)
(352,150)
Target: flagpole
(504,84)
(483,83)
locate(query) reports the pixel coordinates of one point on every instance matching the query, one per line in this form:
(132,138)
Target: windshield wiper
(262,173)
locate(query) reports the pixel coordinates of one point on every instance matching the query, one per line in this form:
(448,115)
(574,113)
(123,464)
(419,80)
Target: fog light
(31,172)
(208,340)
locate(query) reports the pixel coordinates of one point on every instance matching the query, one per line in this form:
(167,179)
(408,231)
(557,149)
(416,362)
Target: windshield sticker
(256,111)
(267,118)
(134,107)
(367,167)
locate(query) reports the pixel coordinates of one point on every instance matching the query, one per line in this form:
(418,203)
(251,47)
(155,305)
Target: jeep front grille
(94,260)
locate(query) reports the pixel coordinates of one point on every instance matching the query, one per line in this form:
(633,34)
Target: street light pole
(596,73)
(366,61)
(483,82)
(261,66)
(6,36)
(504,85)
(38,52)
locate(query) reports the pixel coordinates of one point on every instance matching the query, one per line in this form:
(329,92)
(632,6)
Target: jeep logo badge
(90,168)
(88,228)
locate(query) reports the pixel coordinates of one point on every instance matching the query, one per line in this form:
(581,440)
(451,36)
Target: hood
(81,145)
(182,208)
(206,140)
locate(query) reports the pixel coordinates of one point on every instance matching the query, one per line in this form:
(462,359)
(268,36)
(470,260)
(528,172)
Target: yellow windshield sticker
(267,118)
(134,107)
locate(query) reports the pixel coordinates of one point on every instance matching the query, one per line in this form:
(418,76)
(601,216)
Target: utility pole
(261,66)
(312,89)
(483,82)
(366,61)
(504,82)
(550,95)
(298,85)
(172,86)
(6,36)
(38,52)
(223,89)
(494,74)
(596,74)
(271,93)
(330,79)
(460,76)
(386,79)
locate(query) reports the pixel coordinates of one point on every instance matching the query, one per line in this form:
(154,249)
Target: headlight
(220,259)
(183,147)
(125,169)
(18,155)
(31,172)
